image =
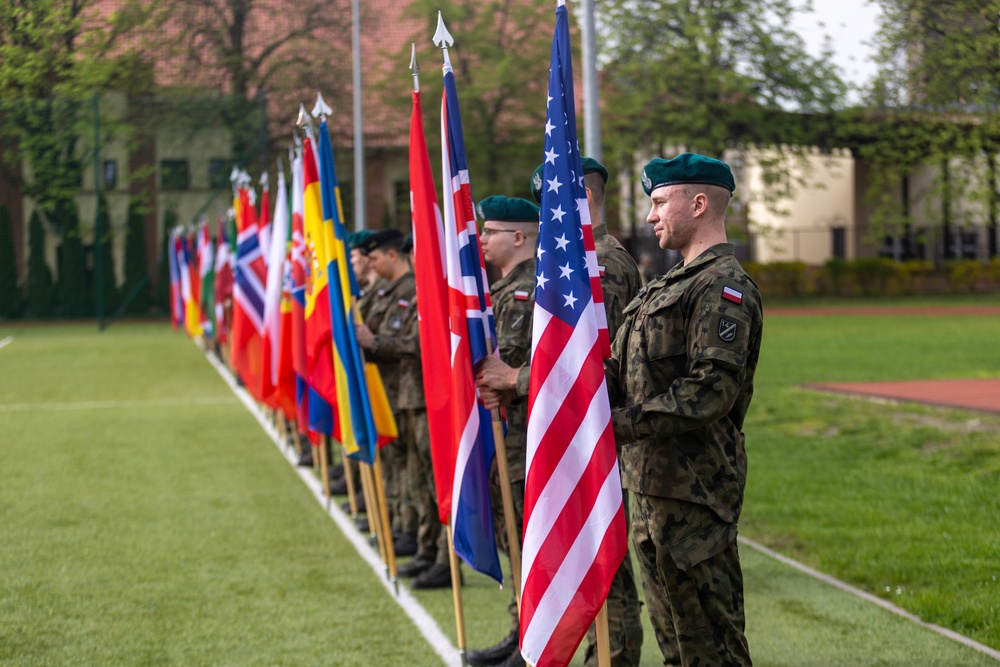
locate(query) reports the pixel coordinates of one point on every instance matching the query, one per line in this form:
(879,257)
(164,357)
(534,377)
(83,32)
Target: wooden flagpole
(323,469)
(383,513)
(374,520)
(456,594)
(603,636)
(352,500)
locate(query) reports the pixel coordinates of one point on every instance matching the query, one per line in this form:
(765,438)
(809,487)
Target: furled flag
(574,520)
(264,220)
(272,291)
(206,274)
(471,322)
(187,263)
(248,299)
(363,418)
(223,281)
(283,374)
(176,299)
(432,305)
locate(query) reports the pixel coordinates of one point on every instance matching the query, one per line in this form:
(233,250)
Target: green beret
(407,243)
(590,165)
(380,238)
(508,209)
(356,239)
(687,168)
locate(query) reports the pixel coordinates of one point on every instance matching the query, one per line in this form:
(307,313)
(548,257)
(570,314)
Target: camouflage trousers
(420,478)
(624,618)
(691,576)
(402,513)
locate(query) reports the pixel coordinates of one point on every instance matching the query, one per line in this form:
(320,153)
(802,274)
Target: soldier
(620,282)
(680,380)
(381,336)
(509,237)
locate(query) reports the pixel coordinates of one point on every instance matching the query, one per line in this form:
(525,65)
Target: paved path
(976,394)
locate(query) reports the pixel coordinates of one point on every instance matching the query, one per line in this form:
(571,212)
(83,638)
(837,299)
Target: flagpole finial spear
(304,121)
(414,67)
(442,38)
(263,180)
(321,109)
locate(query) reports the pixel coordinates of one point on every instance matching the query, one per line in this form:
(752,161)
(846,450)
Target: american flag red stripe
(574,520)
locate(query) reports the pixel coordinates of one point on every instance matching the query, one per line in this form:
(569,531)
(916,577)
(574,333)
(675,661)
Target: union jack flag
(574,521)
(251,276)
(471,325)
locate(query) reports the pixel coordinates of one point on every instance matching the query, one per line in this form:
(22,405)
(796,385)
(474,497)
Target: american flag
(471,325)
(574,521)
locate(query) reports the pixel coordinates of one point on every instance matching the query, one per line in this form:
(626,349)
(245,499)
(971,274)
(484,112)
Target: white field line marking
(426,624)
(115,405)
(6,341)
(864,595)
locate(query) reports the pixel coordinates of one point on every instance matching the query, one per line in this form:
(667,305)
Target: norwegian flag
(574,520)
(248,300)
(471,325)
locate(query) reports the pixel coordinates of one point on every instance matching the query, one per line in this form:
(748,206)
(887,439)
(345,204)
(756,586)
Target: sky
(851,24)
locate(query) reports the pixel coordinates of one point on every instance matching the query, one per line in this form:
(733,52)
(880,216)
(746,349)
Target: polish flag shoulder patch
(403,303)
(521,295)
(730,294)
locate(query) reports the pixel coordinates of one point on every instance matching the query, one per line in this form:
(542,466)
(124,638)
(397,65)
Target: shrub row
(875,277)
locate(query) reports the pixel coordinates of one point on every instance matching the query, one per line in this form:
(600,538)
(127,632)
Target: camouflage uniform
(682,371)
(419,467)
(389,311)
(513,298)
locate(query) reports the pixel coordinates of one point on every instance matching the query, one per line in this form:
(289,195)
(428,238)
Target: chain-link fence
(90,187)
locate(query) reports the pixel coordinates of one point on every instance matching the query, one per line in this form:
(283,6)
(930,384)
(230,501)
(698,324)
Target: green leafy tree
(10,292)
(136,266)
(935,101)
(162,297)
(54,56)
(72,292)
(40,289)
(710,75)
(108,282)
(501,62)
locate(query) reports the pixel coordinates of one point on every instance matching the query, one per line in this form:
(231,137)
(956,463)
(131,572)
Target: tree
(710,76)
(106,283)
(54,56)
(72,292)
(501,62)
(136,267)
(10,292)
(162,297)
(246,47)
(40,290)
(935,102)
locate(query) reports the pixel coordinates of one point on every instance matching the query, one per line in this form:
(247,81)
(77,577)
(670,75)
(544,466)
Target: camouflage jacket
(681,379)
(620,282)
(620,278)
(387,319)
(370,293)
(513,298)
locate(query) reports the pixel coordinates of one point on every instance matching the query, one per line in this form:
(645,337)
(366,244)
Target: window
(174,175)
(401,198)
(110,174)
(218,175)
(839,239)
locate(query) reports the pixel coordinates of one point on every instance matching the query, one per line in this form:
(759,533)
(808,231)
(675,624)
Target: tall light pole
(359,135)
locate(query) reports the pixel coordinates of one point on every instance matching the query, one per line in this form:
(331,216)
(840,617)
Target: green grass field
(148,520)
